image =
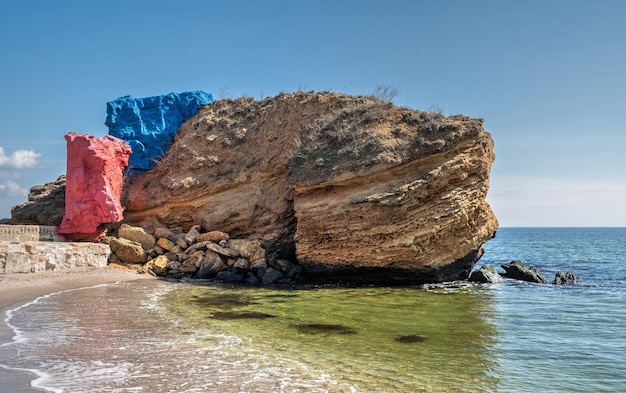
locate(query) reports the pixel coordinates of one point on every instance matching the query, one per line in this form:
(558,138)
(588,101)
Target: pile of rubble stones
(209,255)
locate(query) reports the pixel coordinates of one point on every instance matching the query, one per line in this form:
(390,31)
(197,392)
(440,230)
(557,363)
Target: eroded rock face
(351,187)
(45,205)
(148,124)
(94,184)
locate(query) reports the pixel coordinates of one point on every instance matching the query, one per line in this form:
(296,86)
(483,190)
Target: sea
(157,336)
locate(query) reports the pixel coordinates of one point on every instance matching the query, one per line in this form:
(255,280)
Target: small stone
(165,243)
(259,267)
(271,276)
(241,265)
(212,236)
(283,265)
(159,263)
(196,258)
(177,231)
(222,250)
(182,243)
(190,237)
(172,265)
(246,248)
(210,266)
(187,269)
(191,249)
(259,253)
(163,232)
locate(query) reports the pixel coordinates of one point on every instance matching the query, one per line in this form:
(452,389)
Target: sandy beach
(18,289)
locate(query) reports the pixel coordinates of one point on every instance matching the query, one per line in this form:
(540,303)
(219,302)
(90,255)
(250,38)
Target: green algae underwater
(364,339)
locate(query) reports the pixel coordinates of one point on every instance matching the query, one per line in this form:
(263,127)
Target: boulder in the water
(486,274)
(517,270)
(565,278)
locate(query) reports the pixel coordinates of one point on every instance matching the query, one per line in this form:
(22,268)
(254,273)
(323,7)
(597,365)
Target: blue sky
(548,77)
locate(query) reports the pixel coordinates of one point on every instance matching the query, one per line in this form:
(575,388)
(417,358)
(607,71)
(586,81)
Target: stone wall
(25,233)
(34,248)
(35,256)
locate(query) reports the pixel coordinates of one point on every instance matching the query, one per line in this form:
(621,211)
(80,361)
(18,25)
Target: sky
(548,77)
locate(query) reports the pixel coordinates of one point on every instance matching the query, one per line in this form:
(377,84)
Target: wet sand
(18,289)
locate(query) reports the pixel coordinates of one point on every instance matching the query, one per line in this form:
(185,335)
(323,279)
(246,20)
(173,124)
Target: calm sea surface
(153,336)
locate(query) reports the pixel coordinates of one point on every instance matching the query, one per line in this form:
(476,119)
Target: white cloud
(12,189)
(19,159)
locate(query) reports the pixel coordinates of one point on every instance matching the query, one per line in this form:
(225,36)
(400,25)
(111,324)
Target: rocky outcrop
(350,187)
(94,184)
(45,205)
(148,124)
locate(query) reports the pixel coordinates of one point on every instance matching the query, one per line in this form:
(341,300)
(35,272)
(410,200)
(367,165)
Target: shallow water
(152,336)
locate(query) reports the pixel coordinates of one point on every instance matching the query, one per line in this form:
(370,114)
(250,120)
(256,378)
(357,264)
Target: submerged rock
(325,329)
(517,270)
(410,339)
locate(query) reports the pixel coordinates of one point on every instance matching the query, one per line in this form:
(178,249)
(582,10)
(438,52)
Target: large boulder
(148,124)
(350,187)
(127,251)
(94,184)
(45,205)
(138,235)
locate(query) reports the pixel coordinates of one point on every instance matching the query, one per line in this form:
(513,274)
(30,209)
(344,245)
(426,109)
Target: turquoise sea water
(153,336)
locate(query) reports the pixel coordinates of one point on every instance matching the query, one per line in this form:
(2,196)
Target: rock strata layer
(350,187)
